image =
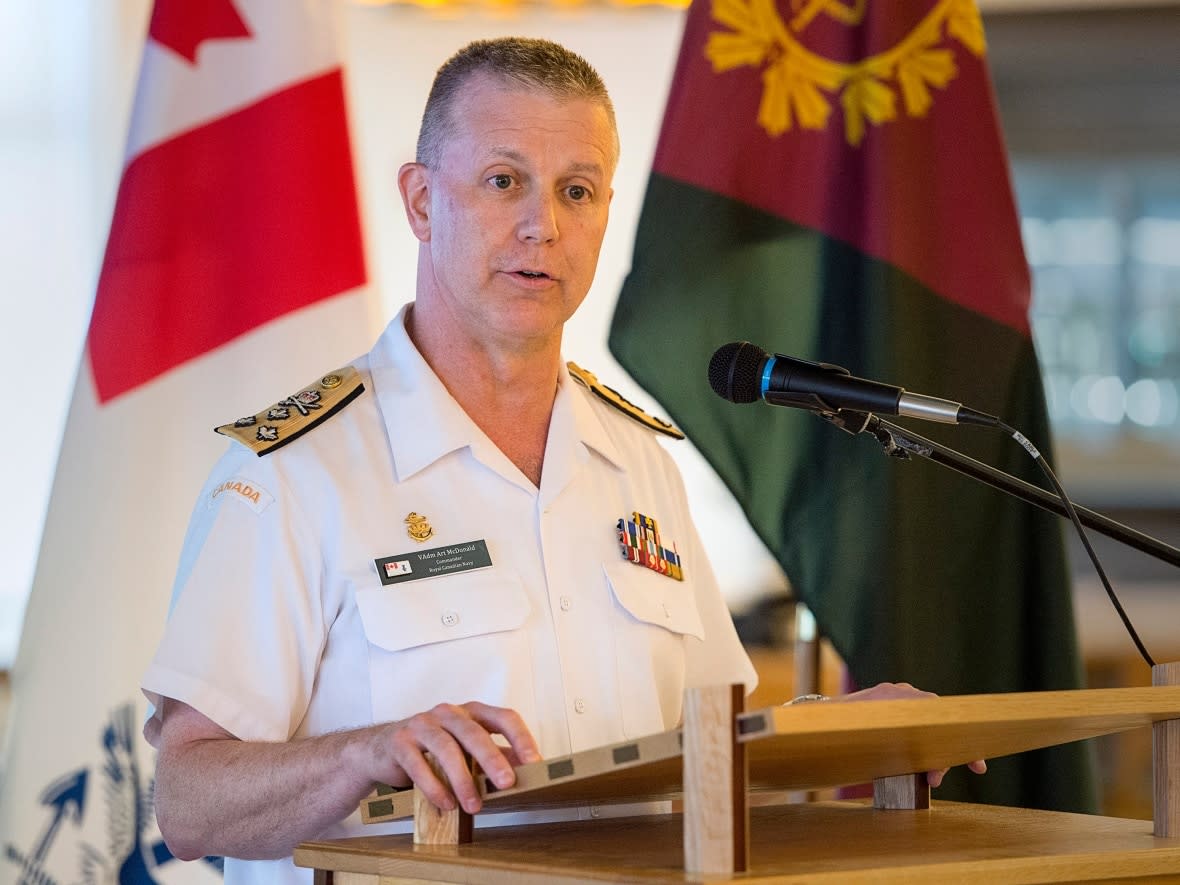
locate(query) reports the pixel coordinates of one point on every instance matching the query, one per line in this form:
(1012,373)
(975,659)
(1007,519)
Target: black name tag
(434,562)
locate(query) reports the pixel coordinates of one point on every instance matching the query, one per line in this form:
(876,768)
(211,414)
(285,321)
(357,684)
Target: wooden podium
(723,761)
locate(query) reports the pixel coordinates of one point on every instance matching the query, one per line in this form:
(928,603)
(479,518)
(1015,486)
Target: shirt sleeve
(246,628)
(719,658)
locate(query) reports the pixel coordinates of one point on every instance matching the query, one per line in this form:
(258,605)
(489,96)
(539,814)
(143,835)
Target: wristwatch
(806,699)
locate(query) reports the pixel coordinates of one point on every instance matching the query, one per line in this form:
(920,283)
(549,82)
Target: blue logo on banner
(128,859)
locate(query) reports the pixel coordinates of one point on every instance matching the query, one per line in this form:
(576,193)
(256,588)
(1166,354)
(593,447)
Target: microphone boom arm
(899,442)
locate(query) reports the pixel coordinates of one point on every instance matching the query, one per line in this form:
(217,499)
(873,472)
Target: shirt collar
(588,421)
(424,422)
(422,419)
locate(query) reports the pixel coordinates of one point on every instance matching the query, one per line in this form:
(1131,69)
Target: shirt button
(579,705)
(566,603)
(450,619)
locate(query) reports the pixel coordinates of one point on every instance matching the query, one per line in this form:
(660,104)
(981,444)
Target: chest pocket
(655,599)
(448,640)
(441,609)
(659,616)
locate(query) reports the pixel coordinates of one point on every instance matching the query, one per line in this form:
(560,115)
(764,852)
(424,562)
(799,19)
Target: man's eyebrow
(588,168)
(496,152)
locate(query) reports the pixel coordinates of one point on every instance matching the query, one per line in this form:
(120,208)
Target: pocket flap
(655,598)
(406,615)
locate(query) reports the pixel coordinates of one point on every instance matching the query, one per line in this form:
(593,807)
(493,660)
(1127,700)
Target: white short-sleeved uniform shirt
(281,626)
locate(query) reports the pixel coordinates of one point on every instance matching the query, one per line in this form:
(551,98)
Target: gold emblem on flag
(800,86)
(418,528)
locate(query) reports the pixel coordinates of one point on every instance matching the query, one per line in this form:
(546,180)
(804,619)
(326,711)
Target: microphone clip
(848,420)
(895,445)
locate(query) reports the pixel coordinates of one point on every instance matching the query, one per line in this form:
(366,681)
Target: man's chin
(529,319)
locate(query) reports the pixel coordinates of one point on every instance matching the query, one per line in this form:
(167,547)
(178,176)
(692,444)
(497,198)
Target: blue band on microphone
(766,370)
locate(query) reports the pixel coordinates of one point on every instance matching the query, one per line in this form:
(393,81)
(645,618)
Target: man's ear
(413,180)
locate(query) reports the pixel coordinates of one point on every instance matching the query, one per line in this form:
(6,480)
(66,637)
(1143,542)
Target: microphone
(742,372)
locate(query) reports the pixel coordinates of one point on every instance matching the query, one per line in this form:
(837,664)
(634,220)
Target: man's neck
(508,393)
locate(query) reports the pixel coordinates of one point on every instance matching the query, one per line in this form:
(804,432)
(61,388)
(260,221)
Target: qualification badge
(418,528)
(639,538)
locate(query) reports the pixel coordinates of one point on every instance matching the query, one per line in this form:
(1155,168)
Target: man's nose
(538,223)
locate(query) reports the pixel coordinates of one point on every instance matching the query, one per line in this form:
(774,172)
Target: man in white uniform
(423,548)
(455,537)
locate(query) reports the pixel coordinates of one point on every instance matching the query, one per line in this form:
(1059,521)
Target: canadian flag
(234,274)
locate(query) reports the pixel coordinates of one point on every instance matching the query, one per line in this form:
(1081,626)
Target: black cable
(1073,517)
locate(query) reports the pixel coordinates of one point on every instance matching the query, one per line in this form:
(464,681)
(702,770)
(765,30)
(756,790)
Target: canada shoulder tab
(614,398)
(294,416)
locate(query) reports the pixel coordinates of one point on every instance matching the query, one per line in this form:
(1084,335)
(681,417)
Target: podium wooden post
(1165,763)
(436,826)
(716,811)
(904,791)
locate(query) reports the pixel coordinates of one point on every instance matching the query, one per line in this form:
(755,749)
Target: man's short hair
(524,61)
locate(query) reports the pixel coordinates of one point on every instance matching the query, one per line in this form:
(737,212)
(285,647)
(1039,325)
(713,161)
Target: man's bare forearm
(222,796)
(217,795)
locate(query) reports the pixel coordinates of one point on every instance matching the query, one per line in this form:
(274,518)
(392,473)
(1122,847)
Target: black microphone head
(734,371)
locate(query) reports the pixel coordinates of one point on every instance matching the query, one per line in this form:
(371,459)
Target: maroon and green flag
(830,183)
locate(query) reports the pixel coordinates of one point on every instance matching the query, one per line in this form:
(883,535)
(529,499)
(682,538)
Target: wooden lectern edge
(1167,765)
(621,756)
(1165,761)
(1029,706)
(830,719)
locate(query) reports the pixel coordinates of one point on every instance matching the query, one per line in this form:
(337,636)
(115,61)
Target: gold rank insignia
(418,528)
(639,538)
(294,416)
(614,398)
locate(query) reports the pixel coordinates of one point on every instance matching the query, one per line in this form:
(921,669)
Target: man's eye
(503,182)
(578,193)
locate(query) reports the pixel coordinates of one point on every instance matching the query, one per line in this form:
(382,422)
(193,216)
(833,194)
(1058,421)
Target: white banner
(211,304)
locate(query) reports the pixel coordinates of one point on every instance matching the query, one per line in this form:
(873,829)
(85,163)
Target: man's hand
(903,691)
(447,732)
(218,795)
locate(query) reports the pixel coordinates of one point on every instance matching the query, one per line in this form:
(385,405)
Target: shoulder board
(614,398)
(292,417)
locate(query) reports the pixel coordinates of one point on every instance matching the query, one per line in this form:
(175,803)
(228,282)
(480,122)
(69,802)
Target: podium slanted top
(823,745)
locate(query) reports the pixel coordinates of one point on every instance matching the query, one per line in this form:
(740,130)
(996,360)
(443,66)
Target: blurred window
(1090,106)
(1103,242)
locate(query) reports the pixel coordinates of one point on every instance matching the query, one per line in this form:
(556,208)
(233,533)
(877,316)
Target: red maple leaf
(183,25)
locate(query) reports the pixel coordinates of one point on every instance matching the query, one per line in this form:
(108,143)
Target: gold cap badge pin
(418,528)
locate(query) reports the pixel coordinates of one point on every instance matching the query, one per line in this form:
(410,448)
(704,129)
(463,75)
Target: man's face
(517,209)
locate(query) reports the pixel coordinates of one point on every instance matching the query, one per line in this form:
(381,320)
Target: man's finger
(409,754)
(450,731)
(473,732)
(506,722)
(447,734)
(450,734)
